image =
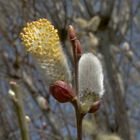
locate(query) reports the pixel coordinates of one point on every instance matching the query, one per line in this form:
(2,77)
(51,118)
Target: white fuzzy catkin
(90,78)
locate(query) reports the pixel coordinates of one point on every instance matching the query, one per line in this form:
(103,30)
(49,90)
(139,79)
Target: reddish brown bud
(62,92)
(71,32)
(44,125)
(78,47)
(94,107)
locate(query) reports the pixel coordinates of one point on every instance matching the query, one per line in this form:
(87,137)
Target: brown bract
(74,40)
(62,92)
(71,32)
(95,106)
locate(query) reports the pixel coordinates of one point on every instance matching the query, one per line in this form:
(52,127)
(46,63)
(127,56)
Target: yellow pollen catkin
(41,39)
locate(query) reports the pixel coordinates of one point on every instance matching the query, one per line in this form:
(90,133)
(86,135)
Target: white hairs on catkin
(90,77)
(56,70)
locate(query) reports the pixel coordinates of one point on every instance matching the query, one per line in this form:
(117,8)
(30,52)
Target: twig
(73,40)
(75,46)
(79,119)
(18,104)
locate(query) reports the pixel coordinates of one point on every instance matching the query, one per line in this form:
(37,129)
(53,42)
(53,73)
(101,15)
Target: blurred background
(108,28)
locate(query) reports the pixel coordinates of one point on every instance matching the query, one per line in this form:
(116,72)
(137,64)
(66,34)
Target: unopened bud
(94,107)
(28,119)
(42,102)
(71,32)
(130,54)
(93,40)
(125,46)
(11,93)
(62,92)
(44,125)
(13,83)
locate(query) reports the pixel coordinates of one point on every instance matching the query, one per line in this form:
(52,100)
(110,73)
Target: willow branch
(18,104)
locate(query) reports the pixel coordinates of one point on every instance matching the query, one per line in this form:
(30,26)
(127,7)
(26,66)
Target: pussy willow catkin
(41,39)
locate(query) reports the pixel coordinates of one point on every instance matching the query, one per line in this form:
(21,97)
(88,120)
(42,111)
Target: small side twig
(18,104)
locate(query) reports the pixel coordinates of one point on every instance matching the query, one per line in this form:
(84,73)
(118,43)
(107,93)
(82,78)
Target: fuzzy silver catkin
(90,78)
